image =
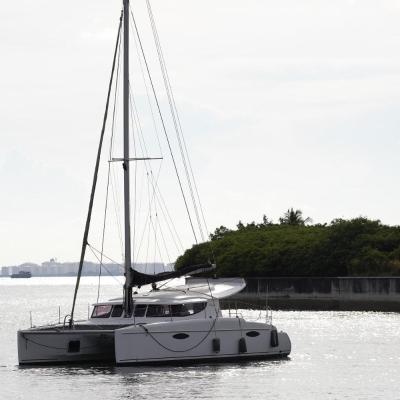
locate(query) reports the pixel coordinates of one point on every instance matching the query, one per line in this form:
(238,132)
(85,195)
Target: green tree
(292,217)
(219,233)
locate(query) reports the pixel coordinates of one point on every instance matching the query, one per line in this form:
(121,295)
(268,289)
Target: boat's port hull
(41,346)
(194,341)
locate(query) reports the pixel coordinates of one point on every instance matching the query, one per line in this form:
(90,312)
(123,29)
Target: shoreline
(320,293)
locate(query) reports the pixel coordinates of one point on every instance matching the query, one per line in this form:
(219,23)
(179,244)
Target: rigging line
(105,256)
(153,180)
(165,131)
(96,170)
(165,213)
(108,176)
(142,143)
(179,351)
(104,231)
(147,92)
(168,220)
(148,165)
(109,273)
(148,168)
(162,60)
(174,112)
(152,203)
(114,184)
(164,242)
(155,231)
(135,121)
(112,140)
(115,195)
(157,246)
(134,190)
(148,238)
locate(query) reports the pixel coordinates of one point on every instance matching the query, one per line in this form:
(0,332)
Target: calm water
(335,355)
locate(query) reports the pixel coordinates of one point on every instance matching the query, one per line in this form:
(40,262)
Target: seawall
(314,293)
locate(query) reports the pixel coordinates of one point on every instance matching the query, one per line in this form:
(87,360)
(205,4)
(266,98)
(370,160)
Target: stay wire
(95,175)
(165,130)
(108,177)
(162,61)
(157,196)
(98,259)
(168,220)
(135,121)
(174,113)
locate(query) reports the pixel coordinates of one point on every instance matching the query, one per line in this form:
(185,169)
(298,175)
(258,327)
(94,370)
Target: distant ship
(22,274)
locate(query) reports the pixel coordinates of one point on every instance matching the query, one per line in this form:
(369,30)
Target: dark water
(335,355)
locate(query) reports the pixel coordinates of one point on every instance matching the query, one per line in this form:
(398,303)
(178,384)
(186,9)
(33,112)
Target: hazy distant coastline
(54,268)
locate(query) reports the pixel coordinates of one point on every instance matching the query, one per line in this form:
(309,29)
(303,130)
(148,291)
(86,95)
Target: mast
(128,262)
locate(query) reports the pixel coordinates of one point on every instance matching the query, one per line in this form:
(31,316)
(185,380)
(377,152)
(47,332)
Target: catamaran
(158,323)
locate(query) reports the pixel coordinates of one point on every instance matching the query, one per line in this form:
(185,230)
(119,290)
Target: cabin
(156,306)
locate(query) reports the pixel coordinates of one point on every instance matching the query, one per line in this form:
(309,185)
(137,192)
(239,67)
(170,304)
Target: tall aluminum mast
(128,260)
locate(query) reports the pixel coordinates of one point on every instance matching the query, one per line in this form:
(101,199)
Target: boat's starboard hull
(222,339)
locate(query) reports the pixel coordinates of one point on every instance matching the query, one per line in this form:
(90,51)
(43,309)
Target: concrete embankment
(339,293)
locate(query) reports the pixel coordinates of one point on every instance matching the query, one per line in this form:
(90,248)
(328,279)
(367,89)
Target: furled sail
(139,279)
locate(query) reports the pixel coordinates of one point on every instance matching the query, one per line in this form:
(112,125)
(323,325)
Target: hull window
(253,334)
(180,336)
(74,346)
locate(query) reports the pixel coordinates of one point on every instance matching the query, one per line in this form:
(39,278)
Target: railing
(239,311)
(54,323)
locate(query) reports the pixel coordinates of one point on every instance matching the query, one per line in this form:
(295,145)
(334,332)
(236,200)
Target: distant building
(55,268)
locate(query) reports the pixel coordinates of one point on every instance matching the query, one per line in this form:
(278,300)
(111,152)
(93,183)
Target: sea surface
(335,355)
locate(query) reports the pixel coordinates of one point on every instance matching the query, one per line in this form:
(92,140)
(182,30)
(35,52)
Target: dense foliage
(357,247)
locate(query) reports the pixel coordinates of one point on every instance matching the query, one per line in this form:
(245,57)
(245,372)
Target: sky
(283,104)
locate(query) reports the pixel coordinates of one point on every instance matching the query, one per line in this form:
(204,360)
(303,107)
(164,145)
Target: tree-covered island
(297,247)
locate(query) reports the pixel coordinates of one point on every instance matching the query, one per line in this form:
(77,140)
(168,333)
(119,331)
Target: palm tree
(292,217)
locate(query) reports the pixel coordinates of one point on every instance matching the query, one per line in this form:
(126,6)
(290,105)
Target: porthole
(252,334)
(180,336)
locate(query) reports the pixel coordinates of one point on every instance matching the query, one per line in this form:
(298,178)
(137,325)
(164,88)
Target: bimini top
(194,290)
(218,287)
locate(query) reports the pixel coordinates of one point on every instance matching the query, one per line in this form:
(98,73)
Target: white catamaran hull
(50,346)
(205,340)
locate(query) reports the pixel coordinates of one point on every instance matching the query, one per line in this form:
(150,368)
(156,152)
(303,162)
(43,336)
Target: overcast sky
(284,104)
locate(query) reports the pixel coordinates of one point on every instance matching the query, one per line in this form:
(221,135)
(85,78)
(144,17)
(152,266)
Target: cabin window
(117,310)
(166,310)
(184,310)
(158,310)
(140,310)
(102,311)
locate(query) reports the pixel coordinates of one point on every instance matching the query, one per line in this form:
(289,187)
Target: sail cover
(140,279)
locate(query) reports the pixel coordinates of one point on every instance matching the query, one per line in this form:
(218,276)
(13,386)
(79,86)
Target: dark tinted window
(183,310)
(158,310)
(179,310)
(140,310)
(101,311)
(197,307)
(117,310)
